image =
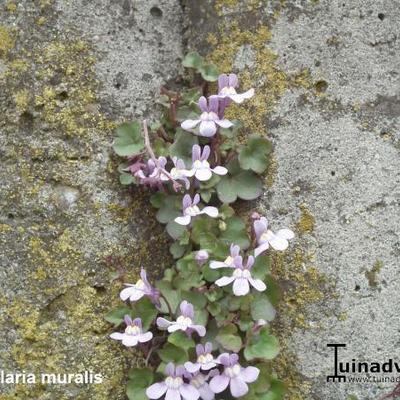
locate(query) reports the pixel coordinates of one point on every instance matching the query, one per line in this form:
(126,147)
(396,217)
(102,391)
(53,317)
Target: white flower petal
(131,293)
(217,264)
(145,337)
(241,287)
(220,170)
(184,220)
(278,243)
(260,249)
(285,233)
(130,340)
(117,336)
(207,128)
(189,124)
(257,284)
(224,123)
(203,174)
(210,211)
(225,280)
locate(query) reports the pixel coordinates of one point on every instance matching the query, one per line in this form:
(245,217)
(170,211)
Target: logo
(347,371)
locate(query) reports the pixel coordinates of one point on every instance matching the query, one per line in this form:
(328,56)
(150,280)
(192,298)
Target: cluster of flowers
(187,381)
(208,375)
(154,172)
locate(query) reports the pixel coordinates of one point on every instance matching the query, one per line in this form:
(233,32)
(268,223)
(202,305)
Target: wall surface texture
(326,75)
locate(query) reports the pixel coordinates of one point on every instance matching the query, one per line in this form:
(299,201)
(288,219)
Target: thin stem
(171,314)
(153,156)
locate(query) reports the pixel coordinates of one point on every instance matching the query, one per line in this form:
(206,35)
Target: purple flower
(201,257)
(184,322)
(234,375)
(173,386)
(205,359)
(265,237)
(227,85)
(241,277)
(178,172)
(228,263)
(201,167)
(151,173)
(199,381)
(133,333)
(209,118)
(191,209)
(141,288)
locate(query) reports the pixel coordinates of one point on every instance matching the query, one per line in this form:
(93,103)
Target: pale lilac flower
(234,375)
(205,359)
(209,118)
(241,278)
(173,386)
(141,288)
(150,174)
(184,322)
(199,381)
(228,263)
(201,257)
(133,333)
(191,209)
(178,172)
(227,85)
(265,237)
(201,167)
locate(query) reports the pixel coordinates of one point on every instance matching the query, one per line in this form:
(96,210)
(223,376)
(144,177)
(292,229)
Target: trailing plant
(204,327)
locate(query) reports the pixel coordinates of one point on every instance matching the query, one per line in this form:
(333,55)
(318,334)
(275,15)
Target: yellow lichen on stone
(7,41)
(307,287)
(306,223)
(21,99)
(11,6)
(271,81)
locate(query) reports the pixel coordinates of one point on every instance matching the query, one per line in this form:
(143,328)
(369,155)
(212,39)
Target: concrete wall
(327,82)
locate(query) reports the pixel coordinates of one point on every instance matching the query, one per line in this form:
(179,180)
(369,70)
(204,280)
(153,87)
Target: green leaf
(264,346)
(181,340)
(238,183)
(198,300)
(192,60)
(157,199)
(116,316)
(182,146)
(177,250)
(126,179)
(141,377)
(235,232)
(209,72)
(171,353)
(277,391)
(176,231)
(229,339)
(145,310)
(261,267)
(261,308)
(172,295)
(129,141)
(255,154)
(169,209)
(134,392)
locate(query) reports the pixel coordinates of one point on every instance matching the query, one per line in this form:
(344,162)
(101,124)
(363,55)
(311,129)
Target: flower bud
(201,257)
